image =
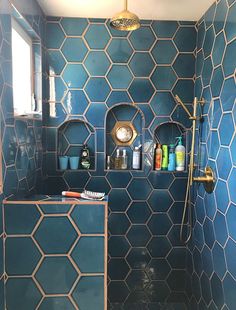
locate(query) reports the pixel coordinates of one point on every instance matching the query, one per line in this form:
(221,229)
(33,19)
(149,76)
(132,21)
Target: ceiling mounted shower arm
(126,5)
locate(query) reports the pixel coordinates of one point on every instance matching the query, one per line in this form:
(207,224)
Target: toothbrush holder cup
(74,162)
(63,162)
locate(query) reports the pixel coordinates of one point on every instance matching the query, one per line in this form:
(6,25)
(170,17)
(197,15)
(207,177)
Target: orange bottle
(158,157)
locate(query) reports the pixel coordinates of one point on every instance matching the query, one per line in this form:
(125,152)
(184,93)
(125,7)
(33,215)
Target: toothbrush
(85,195)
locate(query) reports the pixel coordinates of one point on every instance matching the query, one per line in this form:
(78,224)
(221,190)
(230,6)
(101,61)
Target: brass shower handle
(208,180)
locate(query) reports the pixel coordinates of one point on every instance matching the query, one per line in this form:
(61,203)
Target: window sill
(33,116)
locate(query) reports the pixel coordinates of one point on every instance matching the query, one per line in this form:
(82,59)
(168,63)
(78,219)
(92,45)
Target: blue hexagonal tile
(231,215)
(160,181)
(75,76)
(142,39)
(229,286)
(118,269)
(117,97)
(96,114)
(219,260)
(55,35)
(21,219)
(71,132)
(141,90)
(158,269)
(89,293)
(163,78)
(220,228)
(217,81)
(118,246)
(222,195)
(206,288)
(163,103)
(165,29)
(118,291)
(217,291)
(185,39)
(118,223)
(22,293)
(138,235)
(56,62)
(220,16)
(138,212)
(229,30)
(119,50)
(141,64)
(71,177)
(207,71)
(75,102)
(208,41)
(27,255)
(137,280)
(119,180)
(119,76)
(56,275)
(139,189)
(74,26)
(177,258)
(214,145)
(218,49)
(224,163)
(97,89)
(177,189)
(228,94)
(157,291)
(74,49)
(9,146)
(88,254)
(89,218)
(160,200)
(229,62)
(94,32)
(52,238)
(209,232)
(159,246)
(164,52)
(138,258)
(232,150)
(184,65)
(59,303)
(226,129)
(230,251)
(159,224)
(119,200)
(97,63)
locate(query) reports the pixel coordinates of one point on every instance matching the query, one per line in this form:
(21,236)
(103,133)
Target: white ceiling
(145,9)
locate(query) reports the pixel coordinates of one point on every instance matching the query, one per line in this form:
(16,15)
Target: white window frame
(33,107)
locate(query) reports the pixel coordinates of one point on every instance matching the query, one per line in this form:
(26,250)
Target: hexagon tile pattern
(54,262)
(142,67)
(213,245)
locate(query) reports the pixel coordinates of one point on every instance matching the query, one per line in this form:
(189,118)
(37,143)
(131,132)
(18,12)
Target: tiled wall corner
(214,234)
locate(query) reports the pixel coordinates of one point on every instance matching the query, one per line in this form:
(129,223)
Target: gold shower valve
(208,180)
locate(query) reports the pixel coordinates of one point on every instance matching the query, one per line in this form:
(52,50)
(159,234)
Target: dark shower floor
(149,306)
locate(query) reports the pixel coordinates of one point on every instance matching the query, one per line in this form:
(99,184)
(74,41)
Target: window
(23,72)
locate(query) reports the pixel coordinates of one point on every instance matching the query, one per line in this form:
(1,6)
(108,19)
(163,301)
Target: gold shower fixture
(125,20)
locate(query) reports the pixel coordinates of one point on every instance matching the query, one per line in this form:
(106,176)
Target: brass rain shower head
(125,20)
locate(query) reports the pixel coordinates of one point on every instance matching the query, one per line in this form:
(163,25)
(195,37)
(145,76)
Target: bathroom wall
(20,138)
(214,234)
(91,68)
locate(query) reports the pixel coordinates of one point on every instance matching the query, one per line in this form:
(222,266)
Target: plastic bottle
(158,157)
(124,160)
(136,160)
(180,155)
(164,165)
(85,158)
(172,161)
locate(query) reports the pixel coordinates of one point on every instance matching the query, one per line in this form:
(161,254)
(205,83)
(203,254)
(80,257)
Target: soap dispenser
(180,155)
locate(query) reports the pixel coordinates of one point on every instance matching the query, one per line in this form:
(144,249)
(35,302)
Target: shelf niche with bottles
(124,131)
(166,134)
(72,135)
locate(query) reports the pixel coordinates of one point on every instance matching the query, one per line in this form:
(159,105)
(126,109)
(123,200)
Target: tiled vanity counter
(55,253)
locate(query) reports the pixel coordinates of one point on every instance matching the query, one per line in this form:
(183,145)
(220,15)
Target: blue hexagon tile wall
(99,73)
(214,244)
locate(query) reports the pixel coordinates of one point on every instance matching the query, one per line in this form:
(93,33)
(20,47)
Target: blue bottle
(172,161)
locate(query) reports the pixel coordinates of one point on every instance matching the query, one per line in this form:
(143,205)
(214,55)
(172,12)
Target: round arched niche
(123,113)
(167,132)
(71,137)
